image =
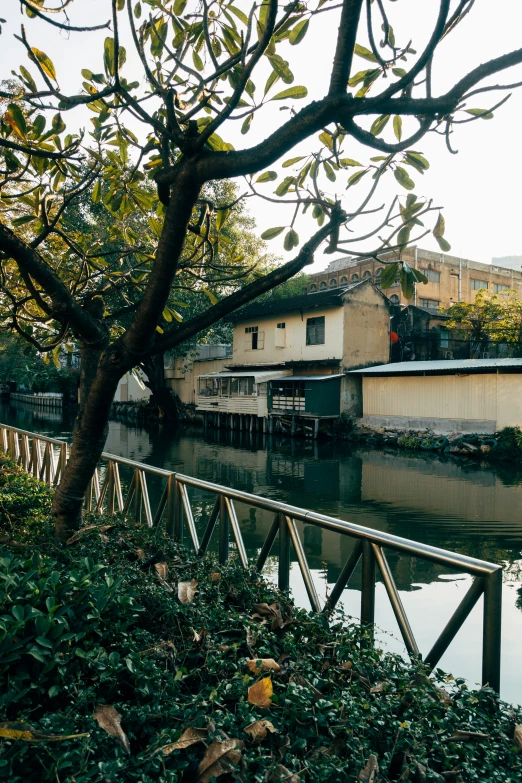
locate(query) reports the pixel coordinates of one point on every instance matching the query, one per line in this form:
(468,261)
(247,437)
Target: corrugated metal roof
(259,377)
(441,365)
(311,377)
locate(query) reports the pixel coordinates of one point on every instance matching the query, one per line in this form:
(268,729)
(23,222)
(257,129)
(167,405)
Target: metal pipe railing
(174,506)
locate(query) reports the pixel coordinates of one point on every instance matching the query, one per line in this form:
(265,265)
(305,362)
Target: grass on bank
(235,683)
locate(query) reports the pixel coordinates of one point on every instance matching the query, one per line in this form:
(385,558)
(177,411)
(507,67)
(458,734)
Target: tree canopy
(178,78)
(490,318)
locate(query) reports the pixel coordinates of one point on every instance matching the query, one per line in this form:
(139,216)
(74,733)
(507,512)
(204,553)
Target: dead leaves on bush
(272,613)
(87,529)
(281,774)
(187,591)
(259,665)
(258,730)
(517,737)
(26,733)
(109,719)
(260,694)
(220,758)
(188,738)
(371,771)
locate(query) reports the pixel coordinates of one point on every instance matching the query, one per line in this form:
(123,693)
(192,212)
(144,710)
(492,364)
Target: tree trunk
(98,383)
(164,399)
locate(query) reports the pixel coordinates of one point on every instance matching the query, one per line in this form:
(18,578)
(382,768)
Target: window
(394,299)
(315,331)
(355,278)
(208,387)
(367,275)
(255,340)
(476,285)
(344,281)
(433,277)
(444,338)
(313,287)
(498,287)
(281,325)
(378,272)
(333,283)
(322,286)
(280,335)
(431,303)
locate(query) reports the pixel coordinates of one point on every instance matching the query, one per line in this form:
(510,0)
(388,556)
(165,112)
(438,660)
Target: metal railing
(46,457)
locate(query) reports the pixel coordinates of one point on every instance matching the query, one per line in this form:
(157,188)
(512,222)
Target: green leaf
(379,124)
(403,178)
(158,38)
(355,178)
(328,170)
(44,642)
(291,240)
(53,691)
(443,244)
(298,32)
(213,298)
(345,162)
(97,192)
(440,226)
(397,127)
(28,79)
(284,186)
(271,233)
(484,114)
(291,161)
(404,235)
(389,275)
(272,79)
(327,139)
(137,10)
(418,161)
(58,124)
(407,286)
(45,62)
(400,72)
(281,67)
(179,7)
(267,176)
(292,92)
(108,56)
(11,161)
(245,127)
(365,53)
(238,13)
(221,217)
(21,221)
(196,59)
(18,118)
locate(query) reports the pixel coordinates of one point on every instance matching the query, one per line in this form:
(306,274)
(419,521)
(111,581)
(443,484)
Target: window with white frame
(476,285)
(498,287)
(432,275)
(315,330)
(280,335)
(429,303)
(255,340)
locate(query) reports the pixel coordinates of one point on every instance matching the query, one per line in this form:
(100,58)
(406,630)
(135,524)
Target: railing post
(283,577)
(492,629)
(169,522)
(223,530)
(178,513)
(110,489)
(368,585)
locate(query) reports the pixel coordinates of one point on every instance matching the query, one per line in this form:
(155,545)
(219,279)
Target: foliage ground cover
(123,657)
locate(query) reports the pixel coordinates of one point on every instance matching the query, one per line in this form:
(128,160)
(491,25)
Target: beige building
(470,395)
(450,279)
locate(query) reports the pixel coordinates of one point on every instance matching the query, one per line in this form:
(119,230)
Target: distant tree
(495,318)
(200,66)
(20,362)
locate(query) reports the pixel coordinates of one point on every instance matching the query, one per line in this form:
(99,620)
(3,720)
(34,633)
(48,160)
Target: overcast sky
(479,188)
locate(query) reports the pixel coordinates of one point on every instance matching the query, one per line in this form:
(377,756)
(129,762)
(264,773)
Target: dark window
(355,278)
(315,331)
(322,286)
(344,280)
(430,303)
(253,330)
(394,299)
(281,325)
(333,283)
(313,287)
(367,275)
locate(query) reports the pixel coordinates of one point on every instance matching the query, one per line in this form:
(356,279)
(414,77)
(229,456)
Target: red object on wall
(394,337)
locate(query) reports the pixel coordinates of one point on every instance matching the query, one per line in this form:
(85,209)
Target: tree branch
(346,36)
(37,11)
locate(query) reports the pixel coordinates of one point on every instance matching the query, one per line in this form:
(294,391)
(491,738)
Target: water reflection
(464,506)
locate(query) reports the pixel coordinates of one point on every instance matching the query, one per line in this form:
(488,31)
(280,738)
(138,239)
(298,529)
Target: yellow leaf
(45,62)
(26,733)
(260,694)
(265,664)
(220,758)
(259,729)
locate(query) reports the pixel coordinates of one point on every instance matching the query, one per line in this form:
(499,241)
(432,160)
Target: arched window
(333,283)
(367,275)
(313,287)
(344,280)
(394,299)
(378,272)
(355,278)
(322,286)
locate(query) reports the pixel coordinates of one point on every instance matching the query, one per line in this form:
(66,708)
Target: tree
(493,318)
(199,69)
(20,362)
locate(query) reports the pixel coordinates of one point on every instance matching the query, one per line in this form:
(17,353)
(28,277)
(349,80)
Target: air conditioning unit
(484,355)
(447,354)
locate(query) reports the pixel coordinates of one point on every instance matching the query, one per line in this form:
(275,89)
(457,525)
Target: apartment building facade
(450,279)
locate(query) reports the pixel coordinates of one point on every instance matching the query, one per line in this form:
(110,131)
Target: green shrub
(409,442)
(509,443)
(96,623)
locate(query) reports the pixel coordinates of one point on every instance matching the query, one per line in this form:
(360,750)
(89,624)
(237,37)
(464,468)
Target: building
(473,395)
(182,373)
(290,357)
(131,388)
(450,279)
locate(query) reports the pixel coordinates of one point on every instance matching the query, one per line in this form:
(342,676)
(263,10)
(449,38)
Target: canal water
(462,505)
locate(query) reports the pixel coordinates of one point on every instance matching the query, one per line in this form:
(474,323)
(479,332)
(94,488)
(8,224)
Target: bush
(509,443)
(99,622)
(409,442)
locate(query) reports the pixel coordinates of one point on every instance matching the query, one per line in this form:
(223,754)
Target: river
(450,502)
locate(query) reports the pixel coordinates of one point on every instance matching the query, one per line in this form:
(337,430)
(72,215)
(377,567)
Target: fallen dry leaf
(518,736)
(263,664)
(251,637)
(259,729)
(379,688)
(273,612)
(141,554)
(187,591)
(219,758)
(261,693)
(467,736)
(188,738)
(26,733)
(110,721)
(215,576)
(370,771)
(347,665)
(74,538)
(104,539)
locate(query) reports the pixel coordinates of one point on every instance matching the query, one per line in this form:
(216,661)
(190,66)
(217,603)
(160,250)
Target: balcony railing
(46,457)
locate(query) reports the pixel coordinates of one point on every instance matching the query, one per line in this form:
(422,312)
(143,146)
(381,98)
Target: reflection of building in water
(127,441)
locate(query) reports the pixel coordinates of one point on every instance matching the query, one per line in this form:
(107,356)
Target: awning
(259,377)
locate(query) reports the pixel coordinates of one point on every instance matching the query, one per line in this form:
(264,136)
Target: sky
(479,188)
